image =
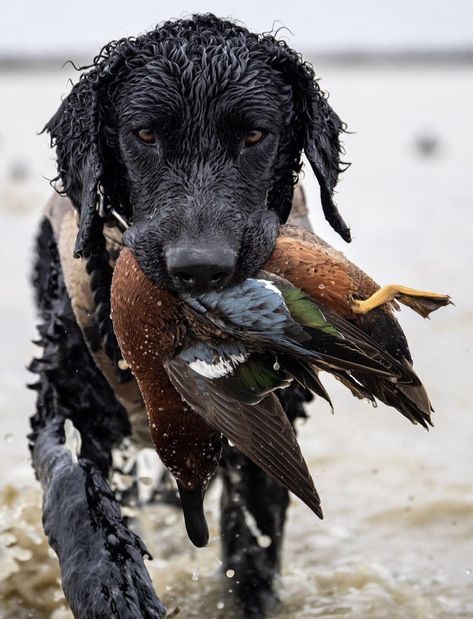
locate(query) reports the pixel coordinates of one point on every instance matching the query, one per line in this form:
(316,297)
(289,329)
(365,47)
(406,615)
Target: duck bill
(192,501)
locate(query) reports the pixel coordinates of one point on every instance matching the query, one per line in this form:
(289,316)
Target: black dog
(190,137)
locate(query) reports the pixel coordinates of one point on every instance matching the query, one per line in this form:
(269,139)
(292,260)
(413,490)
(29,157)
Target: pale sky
(83,26)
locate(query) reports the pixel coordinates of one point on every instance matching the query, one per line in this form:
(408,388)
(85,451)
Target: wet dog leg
(102,561)
(253,514)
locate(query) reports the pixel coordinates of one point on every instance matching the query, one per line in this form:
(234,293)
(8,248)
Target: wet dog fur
(193,134)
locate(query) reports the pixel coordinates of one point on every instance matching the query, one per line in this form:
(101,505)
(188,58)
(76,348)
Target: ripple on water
(192,584)
(29,572)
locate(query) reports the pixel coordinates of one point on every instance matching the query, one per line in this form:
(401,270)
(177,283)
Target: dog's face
(200,146)
(194,133)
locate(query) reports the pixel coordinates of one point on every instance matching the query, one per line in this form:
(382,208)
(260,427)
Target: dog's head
(193,133)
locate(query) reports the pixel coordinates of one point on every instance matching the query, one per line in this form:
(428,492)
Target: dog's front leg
(102,561)
(253,515)
(103,572)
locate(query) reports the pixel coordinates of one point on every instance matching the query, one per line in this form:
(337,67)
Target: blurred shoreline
(347,58)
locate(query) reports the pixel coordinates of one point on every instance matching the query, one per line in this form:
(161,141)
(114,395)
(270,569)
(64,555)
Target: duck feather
(261,431)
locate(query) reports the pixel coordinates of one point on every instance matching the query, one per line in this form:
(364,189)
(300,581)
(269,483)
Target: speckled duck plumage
(207,366)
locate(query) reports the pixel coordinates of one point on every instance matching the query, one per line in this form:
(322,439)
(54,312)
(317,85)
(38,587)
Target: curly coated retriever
(188,139)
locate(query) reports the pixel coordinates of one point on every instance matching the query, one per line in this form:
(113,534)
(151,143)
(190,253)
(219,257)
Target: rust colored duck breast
(147,322)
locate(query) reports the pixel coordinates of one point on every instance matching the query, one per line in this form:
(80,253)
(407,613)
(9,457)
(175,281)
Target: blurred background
(397,539)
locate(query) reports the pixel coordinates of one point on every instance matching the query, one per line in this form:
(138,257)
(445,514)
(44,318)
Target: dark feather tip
(193,508)
(424,306)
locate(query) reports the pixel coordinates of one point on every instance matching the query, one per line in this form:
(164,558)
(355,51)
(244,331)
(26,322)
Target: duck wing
(275,316)
(261,431)
(382,334)
(272,315)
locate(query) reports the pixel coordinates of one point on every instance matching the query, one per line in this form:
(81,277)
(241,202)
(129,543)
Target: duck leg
(421,301)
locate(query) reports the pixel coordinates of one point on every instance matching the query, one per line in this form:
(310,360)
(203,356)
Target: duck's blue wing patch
(254,305)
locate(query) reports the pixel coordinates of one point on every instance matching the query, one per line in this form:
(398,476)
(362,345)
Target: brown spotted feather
(147,323)
(321,271)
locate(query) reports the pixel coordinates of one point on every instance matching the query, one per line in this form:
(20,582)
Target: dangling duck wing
(383,333)
(261,431)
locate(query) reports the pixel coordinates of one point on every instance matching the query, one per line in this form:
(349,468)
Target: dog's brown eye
(148,136)
(253,137)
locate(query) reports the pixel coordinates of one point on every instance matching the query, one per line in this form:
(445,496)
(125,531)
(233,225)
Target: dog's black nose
(199,268)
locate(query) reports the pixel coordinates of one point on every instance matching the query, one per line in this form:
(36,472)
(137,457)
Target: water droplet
(321,286)
(159,303)
(264,541)
(468,572)
(220,605)
(9,438)
(276,366)
(231,573)
(219,561)
(195,576)
(170,519)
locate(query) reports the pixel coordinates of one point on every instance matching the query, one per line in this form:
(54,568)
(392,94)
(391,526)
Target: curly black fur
(197,86)
(80,514)
(194,54)
(100,272)
(200,83)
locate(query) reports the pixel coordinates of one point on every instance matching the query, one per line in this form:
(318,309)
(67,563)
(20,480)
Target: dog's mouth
(194,265)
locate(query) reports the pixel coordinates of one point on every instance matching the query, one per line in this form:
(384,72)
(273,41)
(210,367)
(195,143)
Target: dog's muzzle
(200,269)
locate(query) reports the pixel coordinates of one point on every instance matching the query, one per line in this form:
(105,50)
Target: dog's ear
(315,129)
(322,148)
(75,133)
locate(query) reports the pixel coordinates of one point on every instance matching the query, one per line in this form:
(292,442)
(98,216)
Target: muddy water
(397,539)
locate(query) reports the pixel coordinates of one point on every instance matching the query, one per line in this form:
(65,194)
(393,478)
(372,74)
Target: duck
(339,285)
(208,366)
